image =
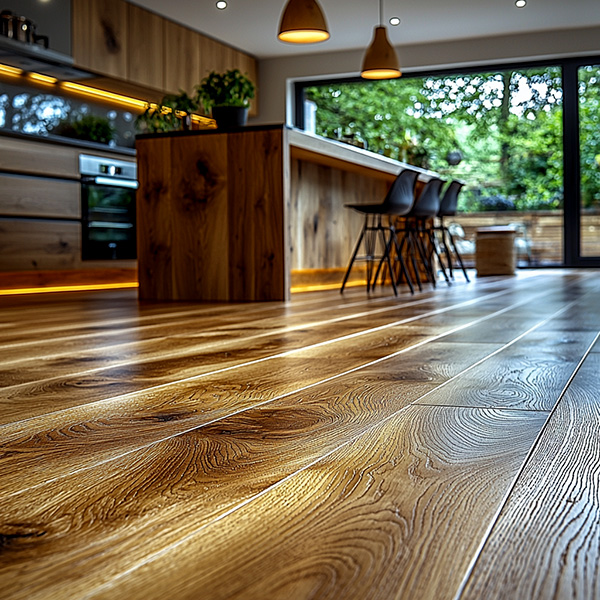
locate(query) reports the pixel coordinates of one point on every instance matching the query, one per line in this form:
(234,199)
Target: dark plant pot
(230,117)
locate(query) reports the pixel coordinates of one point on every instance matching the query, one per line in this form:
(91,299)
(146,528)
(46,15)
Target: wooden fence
(539,236)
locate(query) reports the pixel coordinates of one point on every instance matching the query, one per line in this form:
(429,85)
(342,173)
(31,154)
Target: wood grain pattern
(226,195)
(362,522)
(182,58)
(146,50)
(39,244)
(546,542)
(23,156)
(99,36)
(39,197)
(313,460)
(323,230)
(107,273)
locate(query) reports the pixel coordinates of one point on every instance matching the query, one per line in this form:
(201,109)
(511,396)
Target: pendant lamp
(303,22)
(380,60)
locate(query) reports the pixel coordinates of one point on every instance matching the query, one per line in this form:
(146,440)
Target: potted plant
(173,112)
(226,95)
(87,127)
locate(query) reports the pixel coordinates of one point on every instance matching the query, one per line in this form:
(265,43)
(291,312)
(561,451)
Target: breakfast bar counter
(243,215)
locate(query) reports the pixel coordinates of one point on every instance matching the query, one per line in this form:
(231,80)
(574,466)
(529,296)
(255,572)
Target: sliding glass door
(588,79)
(524,138)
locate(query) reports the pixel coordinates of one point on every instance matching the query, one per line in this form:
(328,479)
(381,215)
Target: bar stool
(397,202)
(419,231)
(448,209)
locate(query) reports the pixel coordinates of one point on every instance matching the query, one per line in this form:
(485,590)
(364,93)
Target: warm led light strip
(84,89)
(96,93)
(42,78)
(319,287)
(6,70)
(70,288)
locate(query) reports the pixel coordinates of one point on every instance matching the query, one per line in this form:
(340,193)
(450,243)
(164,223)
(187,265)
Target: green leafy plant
(169,114)
(86,127)
(224,89)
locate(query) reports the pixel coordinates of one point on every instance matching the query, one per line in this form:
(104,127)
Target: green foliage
(589,133)
(168,115)
(86,127)
(507,125)
(224,89)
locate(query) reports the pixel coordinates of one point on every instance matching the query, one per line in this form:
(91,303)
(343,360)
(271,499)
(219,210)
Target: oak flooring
(437,446)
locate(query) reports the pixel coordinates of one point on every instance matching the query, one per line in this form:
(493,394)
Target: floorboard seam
(471,568)
(269,489)
(287,353)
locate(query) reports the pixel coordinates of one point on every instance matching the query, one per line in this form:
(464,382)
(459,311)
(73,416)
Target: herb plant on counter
(171,114)
(225,89)
(86,127)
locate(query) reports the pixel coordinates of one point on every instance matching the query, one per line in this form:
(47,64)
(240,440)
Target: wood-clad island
(234,216)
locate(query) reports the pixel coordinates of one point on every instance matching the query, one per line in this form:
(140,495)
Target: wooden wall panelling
(199,211)
(182,58)
(27,244)
(99,36)
(258,197)
(39,197)
(145,64)
(213,216)
(323,230)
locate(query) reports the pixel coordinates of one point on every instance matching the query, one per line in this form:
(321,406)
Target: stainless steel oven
(108,208)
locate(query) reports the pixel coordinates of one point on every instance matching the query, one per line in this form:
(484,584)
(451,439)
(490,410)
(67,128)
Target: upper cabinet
(100,36)
(119,40)
(182,58)
(146,37)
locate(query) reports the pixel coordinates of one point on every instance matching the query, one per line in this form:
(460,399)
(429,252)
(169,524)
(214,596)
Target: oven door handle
(110,181)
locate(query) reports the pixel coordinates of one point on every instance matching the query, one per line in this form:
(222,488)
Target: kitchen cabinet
(29,196)
(100,36)
(215,56)
(40,213)
(146,32)
(132,45)
(39,244)
(182,58)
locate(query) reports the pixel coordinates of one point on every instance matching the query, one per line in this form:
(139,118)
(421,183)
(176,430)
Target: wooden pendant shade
(380,61)
(303,22)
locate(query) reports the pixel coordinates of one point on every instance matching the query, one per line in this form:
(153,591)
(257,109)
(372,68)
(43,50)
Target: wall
(276,74)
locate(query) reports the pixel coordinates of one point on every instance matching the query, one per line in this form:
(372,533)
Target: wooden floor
(438,446)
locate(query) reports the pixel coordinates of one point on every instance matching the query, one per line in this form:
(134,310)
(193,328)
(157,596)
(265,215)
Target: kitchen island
(238,215)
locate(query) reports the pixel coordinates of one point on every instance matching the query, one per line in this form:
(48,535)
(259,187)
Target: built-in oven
(107,208)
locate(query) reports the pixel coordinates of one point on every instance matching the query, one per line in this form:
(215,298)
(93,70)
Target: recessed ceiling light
(520,3)
(394,21)
(221,5)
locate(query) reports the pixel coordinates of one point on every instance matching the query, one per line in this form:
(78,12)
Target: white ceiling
(251,25)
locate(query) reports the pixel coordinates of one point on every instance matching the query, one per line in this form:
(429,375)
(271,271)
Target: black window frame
(571,153)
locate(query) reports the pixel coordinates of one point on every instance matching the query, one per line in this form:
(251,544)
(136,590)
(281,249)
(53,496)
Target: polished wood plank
(318,455)
(379,335)
(207,470)
(368,520)
(546,542)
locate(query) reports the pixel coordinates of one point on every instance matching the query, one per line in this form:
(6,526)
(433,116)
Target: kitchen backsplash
(30,110)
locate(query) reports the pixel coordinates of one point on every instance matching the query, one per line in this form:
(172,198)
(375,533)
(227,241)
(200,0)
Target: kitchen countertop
(314,148)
